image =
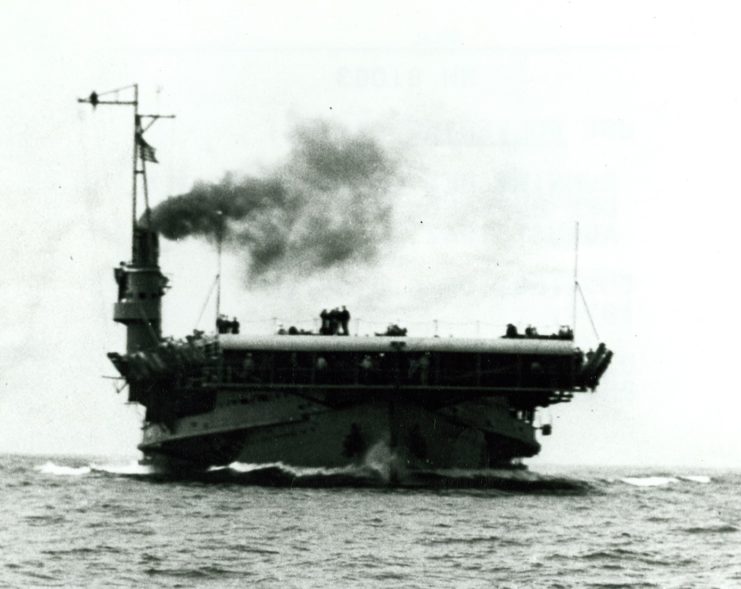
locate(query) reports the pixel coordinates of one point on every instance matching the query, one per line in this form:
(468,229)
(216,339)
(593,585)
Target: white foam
(243,467)
(313,471)
(696,478)
(132,468)
(56,469)
(248,467)
(649,481)
(218,468)
(380,459)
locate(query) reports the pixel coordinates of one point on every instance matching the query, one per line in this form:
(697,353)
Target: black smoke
(328,205)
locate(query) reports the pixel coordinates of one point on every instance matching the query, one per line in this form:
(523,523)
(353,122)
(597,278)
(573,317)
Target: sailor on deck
(120,276)
(344,317)
(334,321)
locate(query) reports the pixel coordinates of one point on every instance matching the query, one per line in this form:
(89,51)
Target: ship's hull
(272,427)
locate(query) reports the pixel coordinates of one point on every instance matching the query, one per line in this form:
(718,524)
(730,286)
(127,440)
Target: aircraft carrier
(327,400)
(313,400)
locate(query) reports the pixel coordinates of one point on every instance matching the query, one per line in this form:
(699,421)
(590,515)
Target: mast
(134,166)
(94,100)
(220,238)
(142,152)
(141,284)
(576,279)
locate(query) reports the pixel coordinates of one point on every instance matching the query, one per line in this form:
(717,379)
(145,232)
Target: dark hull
(388,434)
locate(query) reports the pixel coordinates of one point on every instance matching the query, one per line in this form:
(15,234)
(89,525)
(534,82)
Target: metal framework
(141,150)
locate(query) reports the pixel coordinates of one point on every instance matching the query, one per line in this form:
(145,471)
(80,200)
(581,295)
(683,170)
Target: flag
(146,151)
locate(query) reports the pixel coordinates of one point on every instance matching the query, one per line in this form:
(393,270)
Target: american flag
(146,151)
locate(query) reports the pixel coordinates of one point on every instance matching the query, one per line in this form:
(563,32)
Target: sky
(510,122)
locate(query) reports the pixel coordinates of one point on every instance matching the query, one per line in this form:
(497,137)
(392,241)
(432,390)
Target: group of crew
(335,322)
(394,329)
(225,325)
(564,333)
(293,330)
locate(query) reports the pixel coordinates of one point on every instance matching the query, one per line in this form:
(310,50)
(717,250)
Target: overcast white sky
(512,120)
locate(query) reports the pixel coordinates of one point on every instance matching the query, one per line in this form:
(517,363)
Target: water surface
(77,522)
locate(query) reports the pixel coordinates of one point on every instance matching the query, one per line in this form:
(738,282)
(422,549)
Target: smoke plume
(330,204)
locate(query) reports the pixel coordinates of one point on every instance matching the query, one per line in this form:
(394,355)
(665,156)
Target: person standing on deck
(334,321)
(345,320)
(120,275)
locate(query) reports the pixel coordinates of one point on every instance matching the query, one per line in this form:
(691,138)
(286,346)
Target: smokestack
(141,286)
(329,204)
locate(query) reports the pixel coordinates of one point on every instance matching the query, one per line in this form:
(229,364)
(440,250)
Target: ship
(332,400)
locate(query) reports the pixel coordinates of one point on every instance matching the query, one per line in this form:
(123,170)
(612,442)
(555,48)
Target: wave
(649,481)
(377,469)
(278,474)
(380,469)
(697,478)
(713,529)
(662,481)
(372,473)
(505,480)
(130,469)
(56,469)
(282,475)
(622,556)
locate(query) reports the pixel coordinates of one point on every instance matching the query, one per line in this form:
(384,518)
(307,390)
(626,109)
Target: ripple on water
(627,555)
(712,529)
(77,529)
(495,540)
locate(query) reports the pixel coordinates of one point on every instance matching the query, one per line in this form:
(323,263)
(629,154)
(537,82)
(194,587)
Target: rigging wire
(116,90)
(576,277)
(589,314)
(578,289)
(208,298)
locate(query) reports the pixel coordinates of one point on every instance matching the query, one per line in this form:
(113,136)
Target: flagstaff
(142,151)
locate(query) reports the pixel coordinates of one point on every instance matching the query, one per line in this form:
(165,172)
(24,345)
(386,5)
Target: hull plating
(280,428)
